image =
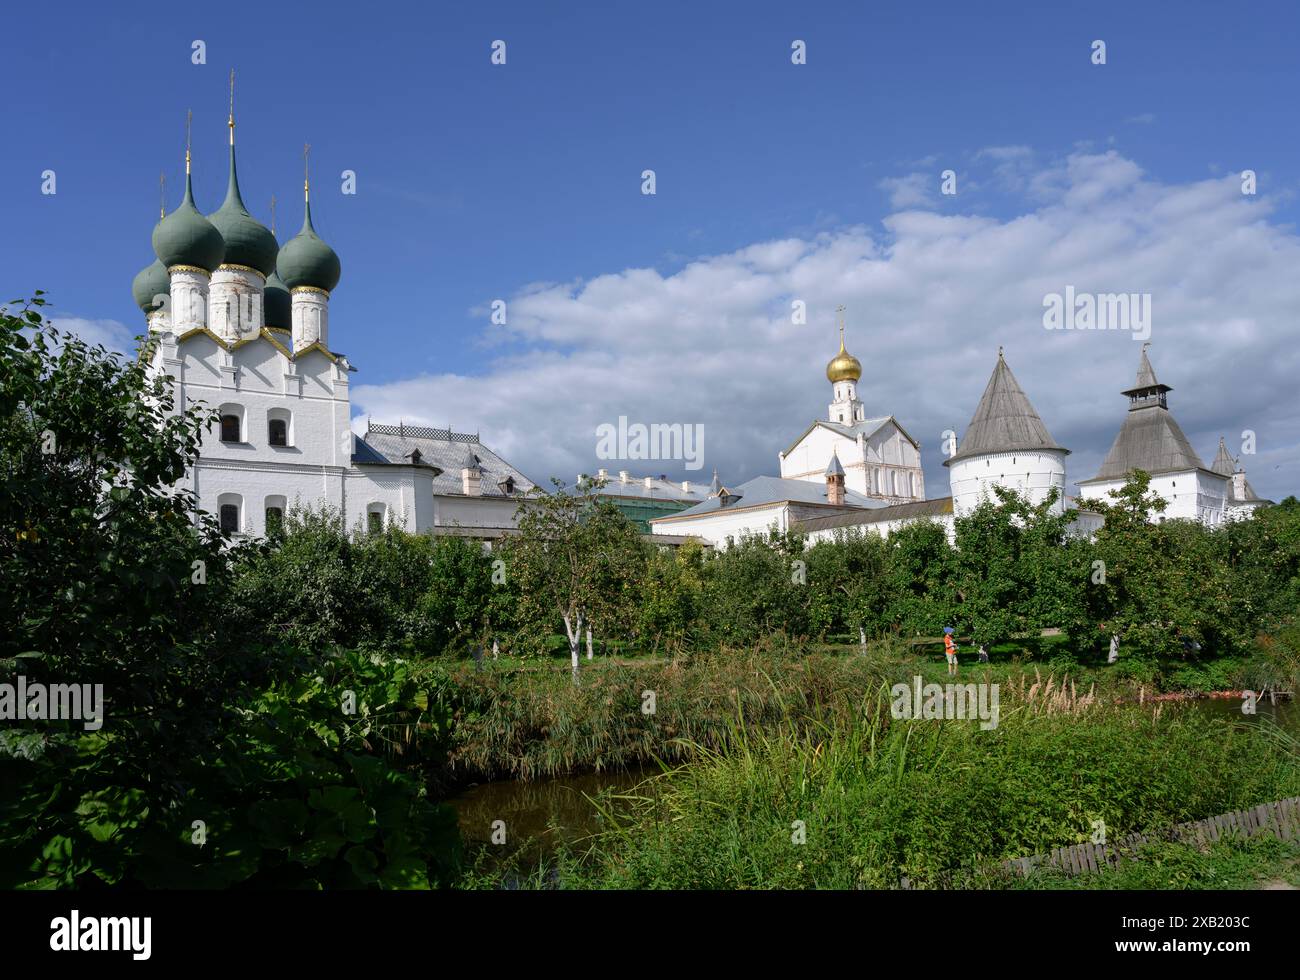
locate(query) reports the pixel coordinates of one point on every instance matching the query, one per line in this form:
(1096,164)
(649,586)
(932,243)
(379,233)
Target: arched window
(230,510)
(232,423)
(375,514)
(279,427)
(274,513)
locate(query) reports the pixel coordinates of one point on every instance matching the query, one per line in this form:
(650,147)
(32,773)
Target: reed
(878,800)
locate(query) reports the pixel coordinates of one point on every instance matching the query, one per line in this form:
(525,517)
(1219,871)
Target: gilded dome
(843,366)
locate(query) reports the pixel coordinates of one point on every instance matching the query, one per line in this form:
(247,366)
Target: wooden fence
(1280,819)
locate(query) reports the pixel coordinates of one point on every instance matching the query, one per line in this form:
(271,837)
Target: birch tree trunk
(588,642)
(573,629)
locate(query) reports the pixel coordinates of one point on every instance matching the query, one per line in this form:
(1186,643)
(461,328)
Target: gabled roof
(866,428)
(265,333)
(1149,440)
(442,449)
(766,490)
(1004,420)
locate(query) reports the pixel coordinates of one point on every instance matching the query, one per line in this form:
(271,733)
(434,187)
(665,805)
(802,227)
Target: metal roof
(659,489)
(1004,420)
(866,428)
(447,451)
(762,490)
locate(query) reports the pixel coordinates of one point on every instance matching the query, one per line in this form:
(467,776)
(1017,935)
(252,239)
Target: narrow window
(230,518)
(375,521)
(277,432)
(274,520)
(230,428)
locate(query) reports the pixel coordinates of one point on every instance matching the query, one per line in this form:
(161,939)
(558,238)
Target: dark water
(540,815)
(1285,713)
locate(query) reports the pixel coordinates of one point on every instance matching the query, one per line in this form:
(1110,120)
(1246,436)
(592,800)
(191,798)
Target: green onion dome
(148,283)
(277,303)
(185,237)
(247,241)
(305,260)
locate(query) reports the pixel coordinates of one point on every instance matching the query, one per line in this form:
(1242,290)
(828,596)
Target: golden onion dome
(843,366)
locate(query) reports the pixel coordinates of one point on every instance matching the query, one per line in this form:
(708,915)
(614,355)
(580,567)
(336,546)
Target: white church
(241,324)
(852,473)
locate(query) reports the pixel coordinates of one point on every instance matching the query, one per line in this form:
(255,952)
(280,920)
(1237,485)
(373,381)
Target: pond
(539,816)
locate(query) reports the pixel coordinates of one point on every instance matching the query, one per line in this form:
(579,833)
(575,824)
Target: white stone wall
(883,528)
(310,312)
(235,297)
(717,527)
(1190,495)
(397,488)
(189,298)
(257,381)
(1031,474)
(885,466)
(475,511)
(253,482)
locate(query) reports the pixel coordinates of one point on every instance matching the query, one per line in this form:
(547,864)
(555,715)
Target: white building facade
(241,325)
(1151,440)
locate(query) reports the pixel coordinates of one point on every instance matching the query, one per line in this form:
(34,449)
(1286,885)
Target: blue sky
(477,182)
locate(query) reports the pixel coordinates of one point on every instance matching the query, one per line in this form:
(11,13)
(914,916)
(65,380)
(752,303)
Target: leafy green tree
(919,579)
(459,604)
(671,591)
(1164,586)
(847,583)
(108,573)
(1014,569)
(214,764)
(754,589)
(577,561)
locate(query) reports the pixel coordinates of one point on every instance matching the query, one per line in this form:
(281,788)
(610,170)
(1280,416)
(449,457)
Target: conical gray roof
(1223,463)
(833,468)
(1146,376)
(1004,420)
(1150,439)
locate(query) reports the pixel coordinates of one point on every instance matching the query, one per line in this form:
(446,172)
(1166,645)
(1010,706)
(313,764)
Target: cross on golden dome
(843,366)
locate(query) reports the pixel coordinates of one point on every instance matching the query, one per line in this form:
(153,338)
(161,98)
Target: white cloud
(112,334)
(929,302)
(912,191)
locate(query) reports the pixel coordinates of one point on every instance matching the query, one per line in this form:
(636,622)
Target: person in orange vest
(950,649)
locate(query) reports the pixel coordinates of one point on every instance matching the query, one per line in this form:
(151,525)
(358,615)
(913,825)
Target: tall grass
(528,725)
(878,800)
